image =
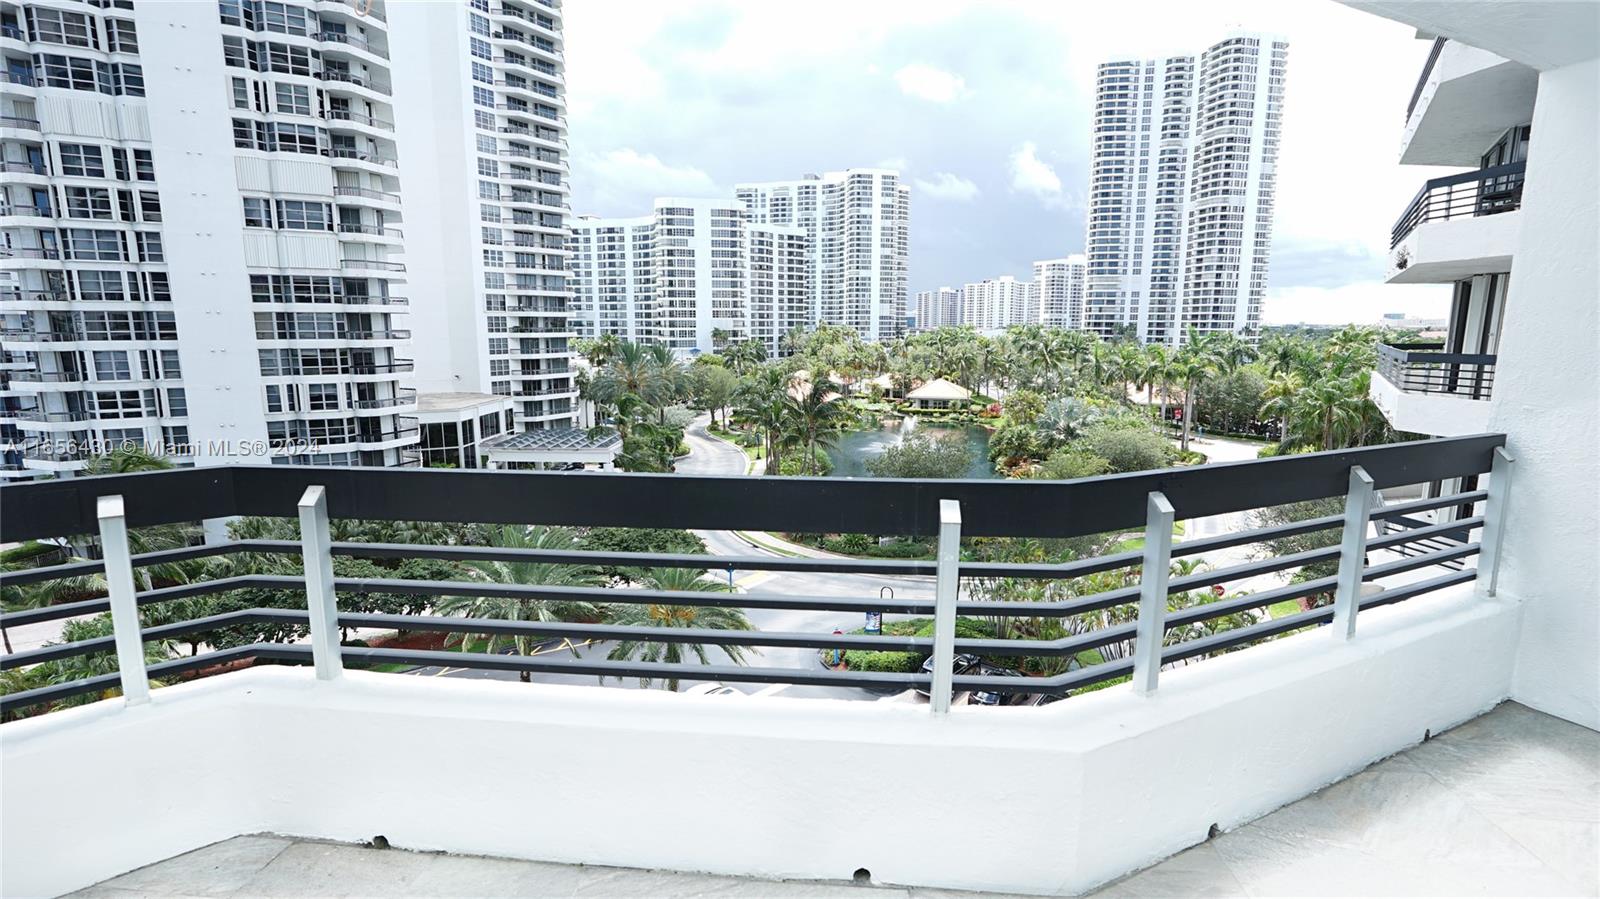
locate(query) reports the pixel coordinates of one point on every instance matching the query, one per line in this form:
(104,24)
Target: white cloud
(1030,174)
(623,182)
(897,163)
(928,83)
(947,186)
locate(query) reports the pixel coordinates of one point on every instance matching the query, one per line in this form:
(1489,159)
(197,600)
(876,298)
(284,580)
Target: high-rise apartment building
(1059,285)
(1182,187)
(938,308)
(857,223)
(199,216)
(483,101)
(692,274)
(995,304)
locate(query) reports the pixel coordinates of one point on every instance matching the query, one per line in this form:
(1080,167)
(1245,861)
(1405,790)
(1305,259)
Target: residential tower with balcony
(1182,188)
(204,259)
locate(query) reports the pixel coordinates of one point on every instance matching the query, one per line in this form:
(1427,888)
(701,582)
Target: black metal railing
(947,510)
(1427,72)
(1483,192)
(1427,368)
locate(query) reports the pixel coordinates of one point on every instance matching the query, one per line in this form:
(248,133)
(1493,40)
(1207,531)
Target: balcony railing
(1133,629)
(1427,368)
(1427,72)
(367,193)
(1483,192)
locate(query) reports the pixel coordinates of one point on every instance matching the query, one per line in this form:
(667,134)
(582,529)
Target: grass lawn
(1284,609)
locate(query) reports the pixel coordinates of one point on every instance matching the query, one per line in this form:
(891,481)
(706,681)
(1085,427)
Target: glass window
(82,160)
(257,212)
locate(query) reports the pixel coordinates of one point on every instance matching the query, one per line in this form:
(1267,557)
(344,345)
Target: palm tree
(1279,399)
(763,403)
(687,580)
(819,414)
(1192,367)
(530,572)
(126,460)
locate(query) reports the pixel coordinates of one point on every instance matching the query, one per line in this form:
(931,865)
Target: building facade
(694,275)
(857,223)
(995,304)
(1059,284)
(1182,187)
(202,260)
(484,105)
(938,308)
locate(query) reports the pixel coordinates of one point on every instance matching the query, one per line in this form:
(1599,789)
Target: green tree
(529,572)
(819,413)
(1072,462)
(923,455)
(671,616)
(1126,447)
(714,390)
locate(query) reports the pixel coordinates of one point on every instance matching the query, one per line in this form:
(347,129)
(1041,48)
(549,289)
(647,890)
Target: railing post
(944,606)
(123,601)
(321,605)
(1352,553)
(1494,520)
(1152,627)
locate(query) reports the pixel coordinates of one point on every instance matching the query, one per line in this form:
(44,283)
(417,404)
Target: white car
(711,690)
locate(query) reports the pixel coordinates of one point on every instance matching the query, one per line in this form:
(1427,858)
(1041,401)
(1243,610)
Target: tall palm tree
(820,414)
(717,618)
(762,402)
(1193,366)
(520,608)
(1278,399)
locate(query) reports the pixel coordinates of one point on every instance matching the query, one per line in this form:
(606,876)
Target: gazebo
(939,394)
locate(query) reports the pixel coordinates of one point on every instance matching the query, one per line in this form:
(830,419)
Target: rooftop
(450,402)
(556,439)
(1505,804)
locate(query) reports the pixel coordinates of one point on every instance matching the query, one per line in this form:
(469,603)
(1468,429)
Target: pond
(856,447)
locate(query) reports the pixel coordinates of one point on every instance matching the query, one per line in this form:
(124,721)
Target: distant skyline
(985,109)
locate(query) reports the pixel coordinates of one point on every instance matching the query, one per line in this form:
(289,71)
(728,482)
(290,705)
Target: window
(304,215)
(82,160)
(322,397)
(480,48)
(52,26)
(478,24)
(274,398)
(481,72)
(177,402)
(149,206)
(144,166)
(483,96)
(88,202)
(170,369)
(257,212)
(87,243)
(293,99)
(112,365)
(121,36)
(241,95)
(53,70)
(149,244)
(100,285)
(128,78)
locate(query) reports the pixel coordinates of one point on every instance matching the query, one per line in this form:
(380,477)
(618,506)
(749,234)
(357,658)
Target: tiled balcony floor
(1505,805)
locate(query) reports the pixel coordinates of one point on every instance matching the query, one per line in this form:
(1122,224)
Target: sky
(985,108)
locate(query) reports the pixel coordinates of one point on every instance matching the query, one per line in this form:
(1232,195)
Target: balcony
(1464,99)
(1458,226)
(1212,713)
(1424,390)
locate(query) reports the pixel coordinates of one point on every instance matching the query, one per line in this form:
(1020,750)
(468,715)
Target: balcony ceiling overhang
(1476,98)
(1543,34)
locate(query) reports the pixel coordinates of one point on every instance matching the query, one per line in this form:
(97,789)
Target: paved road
(710,456)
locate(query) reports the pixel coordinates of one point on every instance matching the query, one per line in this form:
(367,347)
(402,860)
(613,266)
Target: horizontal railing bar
(653,670)
(1251,569)
(1411,535)
(1424,505)
(1058,609)
(144,560)
(793,640)
(613,595)
(1398,594)
(1091,674)
(1269,628)
(631,560)
(1223,607)
(181,591)
(23,698)
(997,508)
(1412,563)
(1065,646)
(150,634)
(1051,570)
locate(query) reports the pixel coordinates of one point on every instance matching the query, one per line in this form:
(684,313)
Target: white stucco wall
(1108,782)
(1434,414)
(1547,401)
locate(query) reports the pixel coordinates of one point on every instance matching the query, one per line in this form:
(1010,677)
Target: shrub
(907,662)
(1126,448)
(923,456)
(1072,462)
(1014,443)
(794,463)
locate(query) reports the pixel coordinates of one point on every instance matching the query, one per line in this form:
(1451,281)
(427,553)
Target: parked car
(963,663)
(995,697)
(712,690)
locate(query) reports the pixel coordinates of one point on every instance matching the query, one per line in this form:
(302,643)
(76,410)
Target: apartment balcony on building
(1459,225)
(1327,689)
